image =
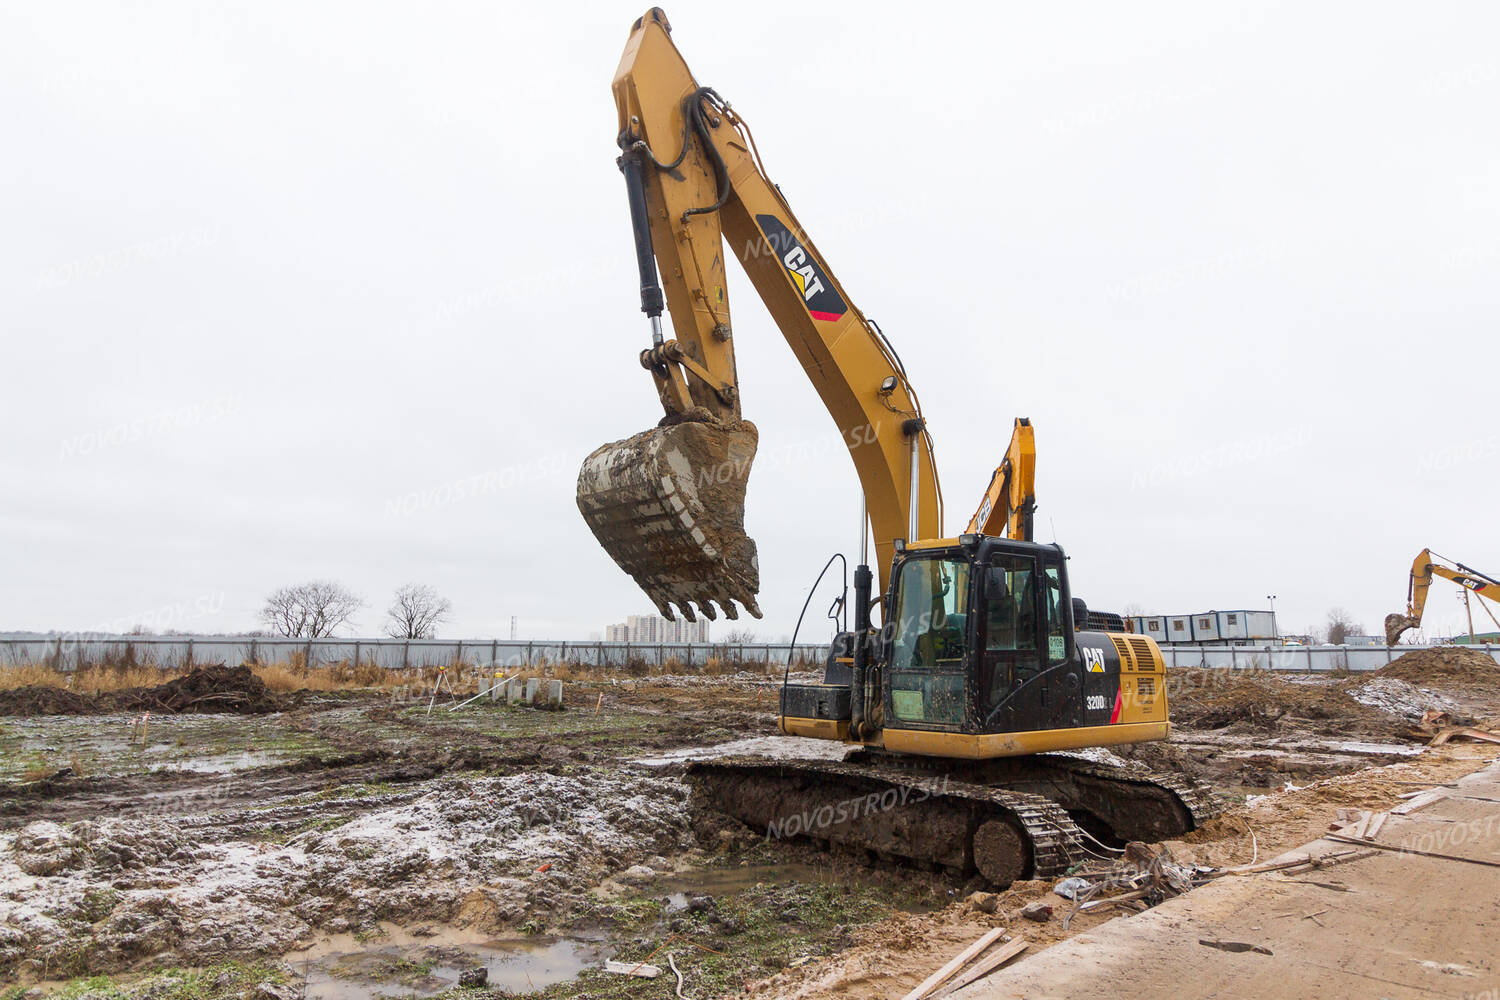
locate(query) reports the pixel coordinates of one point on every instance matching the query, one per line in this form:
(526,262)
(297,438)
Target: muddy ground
(356,846)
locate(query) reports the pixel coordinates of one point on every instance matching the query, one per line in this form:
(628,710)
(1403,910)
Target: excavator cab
(980,657)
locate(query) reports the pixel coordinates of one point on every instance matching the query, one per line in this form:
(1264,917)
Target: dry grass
(39,770)
(294,675)
(278,677)
(88,679)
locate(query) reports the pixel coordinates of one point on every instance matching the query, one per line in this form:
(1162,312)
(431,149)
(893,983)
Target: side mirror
(996,587)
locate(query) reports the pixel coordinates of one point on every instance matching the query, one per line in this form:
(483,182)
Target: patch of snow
(1401,699)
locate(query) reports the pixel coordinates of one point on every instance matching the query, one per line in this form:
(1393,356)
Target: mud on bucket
(668,505)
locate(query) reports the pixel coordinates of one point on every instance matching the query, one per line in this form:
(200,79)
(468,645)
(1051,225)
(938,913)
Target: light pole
(1275,632)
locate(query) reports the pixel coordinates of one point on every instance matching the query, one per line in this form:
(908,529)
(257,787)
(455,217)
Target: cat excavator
(1423,569)
(970,709)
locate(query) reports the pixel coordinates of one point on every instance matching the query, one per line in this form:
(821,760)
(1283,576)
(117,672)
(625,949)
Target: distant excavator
(1423,569)
(984,665)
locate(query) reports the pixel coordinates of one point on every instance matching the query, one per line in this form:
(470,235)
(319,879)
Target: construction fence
(1296,659)
(69,652)
(66,652)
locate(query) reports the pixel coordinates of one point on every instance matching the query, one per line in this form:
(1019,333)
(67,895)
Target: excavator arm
(1009,503)
(668,504)
(1423,569)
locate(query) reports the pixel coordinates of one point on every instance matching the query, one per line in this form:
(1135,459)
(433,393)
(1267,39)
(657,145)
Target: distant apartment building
(653,628)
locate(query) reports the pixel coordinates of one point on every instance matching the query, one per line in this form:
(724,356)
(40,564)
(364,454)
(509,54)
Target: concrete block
(514,691)
(533,685)
(554,694)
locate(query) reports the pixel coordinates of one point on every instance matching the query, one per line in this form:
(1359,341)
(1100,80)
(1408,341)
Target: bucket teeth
(668,505)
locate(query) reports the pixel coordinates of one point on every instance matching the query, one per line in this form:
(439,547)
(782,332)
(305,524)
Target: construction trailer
(1210,628)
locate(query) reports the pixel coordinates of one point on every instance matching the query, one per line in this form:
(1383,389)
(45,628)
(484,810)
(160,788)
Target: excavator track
(897,814)
(1125,803)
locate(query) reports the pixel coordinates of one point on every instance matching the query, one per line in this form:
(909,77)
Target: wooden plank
(1357,831)
(958,961)
(986,965)
(638,969)
(1478,734)
(1420,802)
(1375,824)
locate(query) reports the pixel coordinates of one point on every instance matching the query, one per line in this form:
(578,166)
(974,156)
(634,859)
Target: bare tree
(415,612)
(310,610)
(738,637)
(1341,625)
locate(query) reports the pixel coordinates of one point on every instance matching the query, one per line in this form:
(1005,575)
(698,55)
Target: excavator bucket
(668,505)
(1395,625)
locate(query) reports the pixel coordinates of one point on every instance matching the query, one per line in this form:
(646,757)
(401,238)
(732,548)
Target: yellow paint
(983,747)
(817,729)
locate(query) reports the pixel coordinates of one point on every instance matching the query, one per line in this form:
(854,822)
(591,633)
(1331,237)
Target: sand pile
(1447,666)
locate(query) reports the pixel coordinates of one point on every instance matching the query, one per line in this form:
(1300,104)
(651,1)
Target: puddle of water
(779,747)
(401,964)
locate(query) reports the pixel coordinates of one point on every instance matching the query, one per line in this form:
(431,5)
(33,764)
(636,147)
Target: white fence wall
(68,652)
(1303,659)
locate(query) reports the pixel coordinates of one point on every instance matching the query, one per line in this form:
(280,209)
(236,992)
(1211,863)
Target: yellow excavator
(1423,569)
(982,669)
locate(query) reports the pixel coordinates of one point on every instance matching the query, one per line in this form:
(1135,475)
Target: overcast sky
(346,290)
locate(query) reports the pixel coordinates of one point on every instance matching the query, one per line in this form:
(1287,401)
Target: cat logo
(822,301)
(1093,659)
(802,272)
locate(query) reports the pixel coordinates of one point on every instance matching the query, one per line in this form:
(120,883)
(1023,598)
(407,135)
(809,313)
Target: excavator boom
(668,504)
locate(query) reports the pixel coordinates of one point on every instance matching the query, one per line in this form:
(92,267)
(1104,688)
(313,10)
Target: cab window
(1057,635)
(930,622)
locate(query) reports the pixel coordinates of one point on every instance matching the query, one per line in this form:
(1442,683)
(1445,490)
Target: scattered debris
(1004,953)
(958,961)
(1235,946)
(1465,733)
(1038,911)
(1069,888)
(672,961)
(639,969)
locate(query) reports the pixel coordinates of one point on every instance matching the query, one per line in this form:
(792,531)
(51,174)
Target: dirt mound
(211,689)
(1217,699)
(214,688)
(1446,666)
(39,699)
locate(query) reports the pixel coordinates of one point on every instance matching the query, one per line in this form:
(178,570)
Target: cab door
(1028,679)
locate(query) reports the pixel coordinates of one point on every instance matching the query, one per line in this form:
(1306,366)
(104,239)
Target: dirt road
(1395,924)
